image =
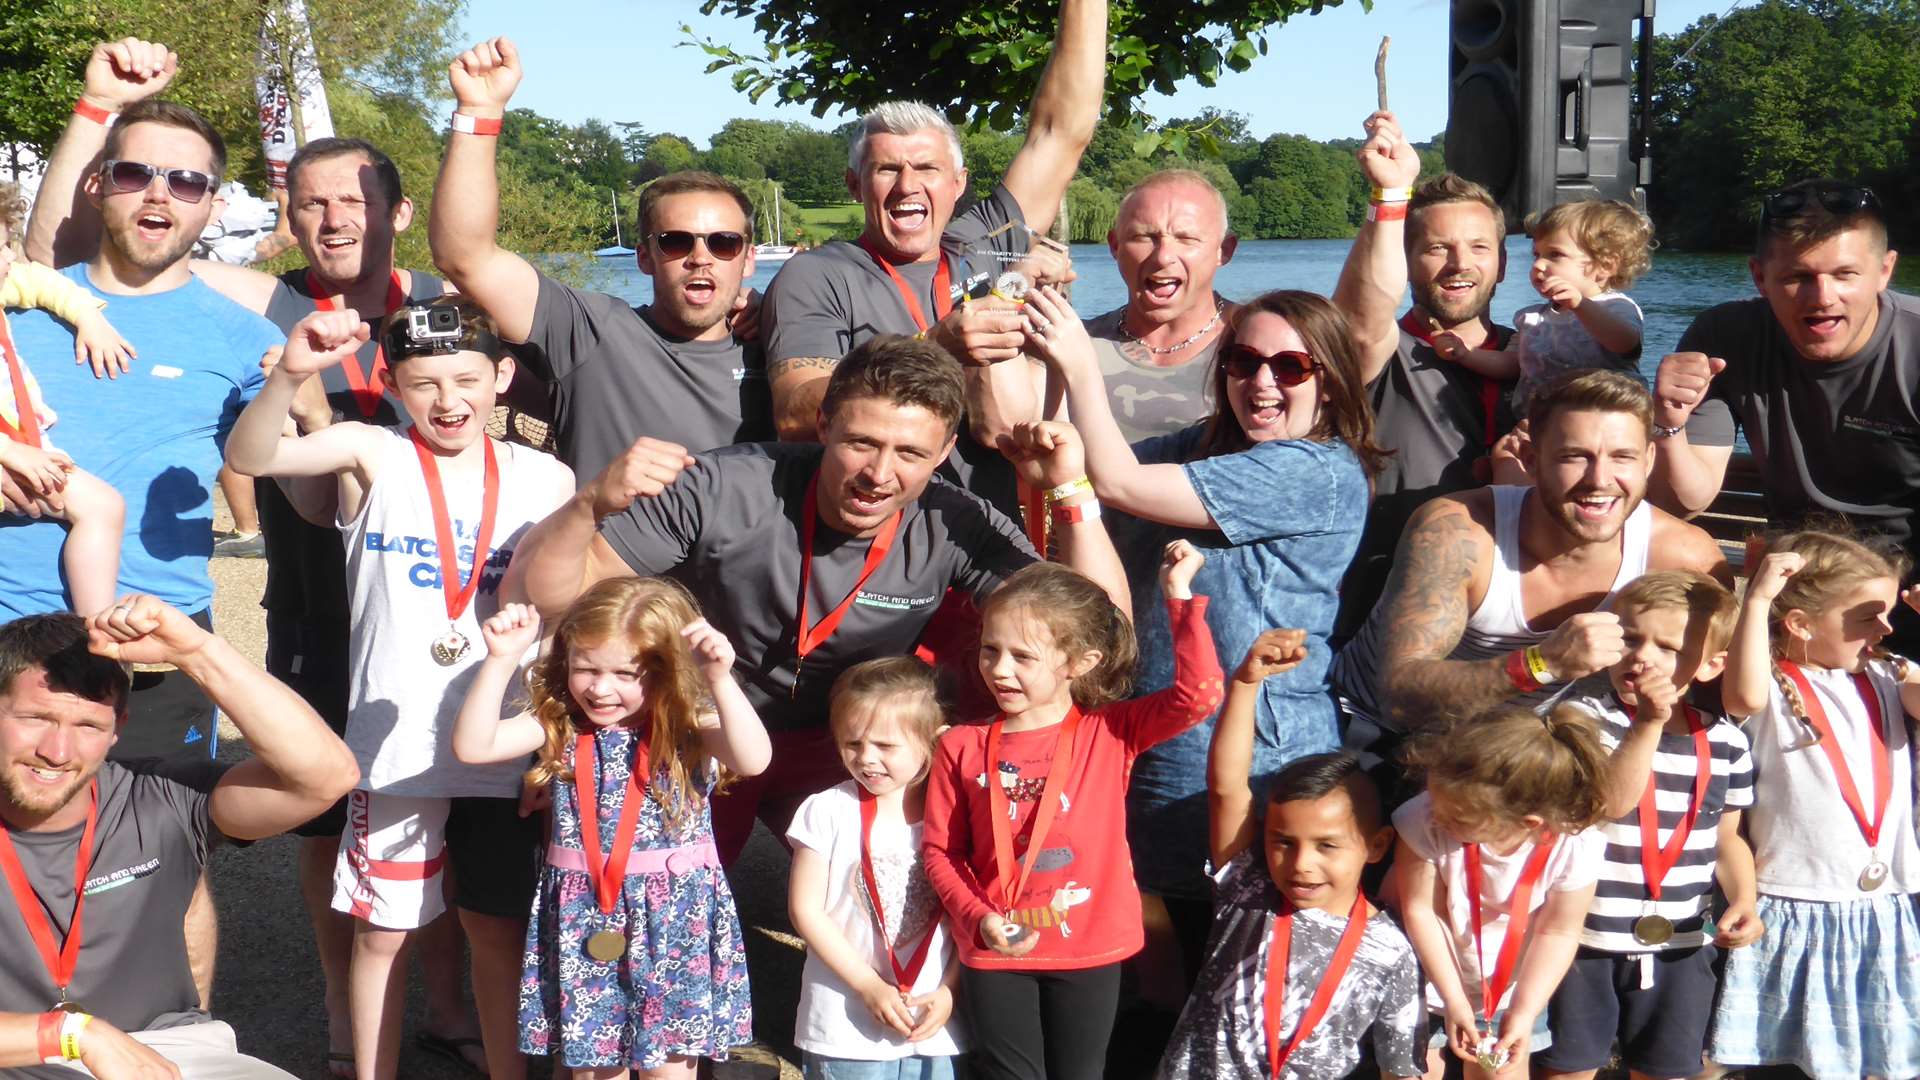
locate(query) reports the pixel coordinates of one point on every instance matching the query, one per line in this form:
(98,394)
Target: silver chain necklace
(1162,350)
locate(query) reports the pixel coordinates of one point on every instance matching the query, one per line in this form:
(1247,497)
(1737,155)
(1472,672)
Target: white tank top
(403,704)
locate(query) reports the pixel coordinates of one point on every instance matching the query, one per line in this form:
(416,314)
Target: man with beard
(914,260)
(1818,370)
(1447,241)
(1169,239)
(674,369)
(140,835)
(1500,593)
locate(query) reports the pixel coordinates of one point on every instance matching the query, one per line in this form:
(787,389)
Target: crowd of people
(1284,686)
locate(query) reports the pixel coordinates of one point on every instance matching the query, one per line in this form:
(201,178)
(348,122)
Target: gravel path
(267,983)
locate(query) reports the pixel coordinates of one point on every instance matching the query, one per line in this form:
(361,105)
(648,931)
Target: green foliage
(1777,92)
(984,57)
(43,47)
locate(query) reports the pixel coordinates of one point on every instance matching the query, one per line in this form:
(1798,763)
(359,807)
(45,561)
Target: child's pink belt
(673,860)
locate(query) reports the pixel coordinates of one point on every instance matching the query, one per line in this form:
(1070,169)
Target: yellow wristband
(1069,489)
(70,1030)
(1392,194)
(1537,665)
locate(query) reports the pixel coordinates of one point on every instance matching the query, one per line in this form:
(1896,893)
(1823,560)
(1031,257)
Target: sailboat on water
(618,250)
(774,251)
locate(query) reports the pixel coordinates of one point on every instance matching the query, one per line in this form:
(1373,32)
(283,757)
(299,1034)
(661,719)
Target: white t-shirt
(1552,342)
(403,705)
(833,1021)
(1806,843)
(1574,865)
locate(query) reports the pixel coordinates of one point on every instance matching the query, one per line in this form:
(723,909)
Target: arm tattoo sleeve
(1426,614)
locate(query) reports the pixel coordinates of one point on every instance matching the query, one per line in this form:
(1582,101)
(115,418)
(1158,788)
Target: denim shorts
(816,1067)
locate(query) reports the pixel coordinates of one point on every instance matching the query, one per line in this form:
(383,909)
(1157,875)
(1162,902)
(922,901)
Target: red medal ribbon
(1493,984)
(808,638)
(1276,990)
(1656,860)
(458,596)
(903,976)
(29,430)
(1877,740)
(366,387)
(1009,888)
(942,288)
(60,962)
(1489,389)
(607,871)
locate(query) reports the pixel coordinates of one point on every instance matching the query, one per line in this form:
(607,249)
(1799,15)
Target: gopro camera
(433,329)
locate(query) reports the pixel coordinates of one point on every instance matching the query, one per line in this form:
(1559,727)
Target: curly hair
(647,614)
(1614,234)
(13,212)
(1081,618)
(1509,763)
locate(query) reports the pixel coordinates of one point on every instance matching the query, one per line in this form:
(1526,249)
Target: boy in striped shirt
(1645,970)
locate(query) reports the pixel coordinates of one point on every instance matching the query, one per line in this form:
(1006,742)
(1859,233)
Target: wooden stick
(1380,72)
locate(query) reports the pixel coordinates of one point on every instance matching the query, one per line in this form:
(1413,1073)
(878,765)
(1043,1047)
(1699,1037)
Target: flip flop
(452,1048)
(340,1064)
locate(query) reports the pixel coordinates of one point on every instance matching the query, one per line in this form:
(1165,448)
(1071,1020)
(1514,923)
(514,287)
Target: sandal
(453,1048)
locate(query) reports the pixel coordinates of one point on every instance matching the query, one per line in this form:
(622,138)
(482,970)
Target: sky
(622,60)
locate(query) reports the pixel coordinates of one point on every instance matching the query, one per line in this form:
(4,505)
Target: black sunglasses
(678,243)
(1289,368)
(128,176)
(1838,199)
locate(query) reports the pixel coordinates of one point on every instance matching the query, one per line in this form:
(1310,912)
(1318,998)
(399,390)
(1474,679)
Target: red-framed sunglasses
(1289,368)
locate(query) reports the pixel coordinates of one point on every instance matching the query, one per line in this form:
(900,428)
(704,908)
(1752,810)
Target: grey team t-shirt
(615,376)
(1222,1029)
(1149,399)
(149,847)
(729,529)
(1434,416)
(1836,437)
(826,301)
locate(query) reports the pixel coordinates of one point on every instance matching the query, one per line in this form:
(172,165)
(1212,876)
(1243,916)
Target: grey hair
(1181,176)
(903,118)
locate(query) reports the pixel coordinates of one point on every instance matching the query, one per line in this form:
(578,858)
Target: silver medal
(1874,876)
(449,647)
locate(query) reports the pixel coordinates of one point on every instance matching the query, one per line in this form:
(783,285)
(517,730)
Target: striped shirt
(1687,889)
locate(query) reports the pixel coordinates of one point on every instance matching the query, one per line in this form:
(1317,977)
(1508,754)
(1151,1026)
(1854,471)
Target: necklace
(1162,350)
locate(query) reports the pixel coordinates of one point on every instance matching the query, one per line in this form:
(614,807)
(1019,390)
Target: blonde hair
(1509,763)
(13,212)
(1082,619)
(1612,233)
(1837,562)
(647,613)
(904,688)
(1708,603)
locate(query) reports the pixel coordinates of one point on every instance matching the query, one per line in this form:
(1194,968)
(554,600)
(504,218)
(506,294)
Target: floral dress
(681,988)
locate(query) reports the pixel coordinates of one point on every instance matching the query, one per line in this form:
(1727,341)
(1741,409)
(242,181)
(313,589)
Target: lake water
(1678,287)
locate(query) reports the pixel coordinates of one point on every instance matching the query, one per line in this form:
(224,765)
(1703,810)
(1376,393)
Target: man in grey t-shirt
(915,258)
(145,829)
(673,370)
(1156,350)
(1819,371)
(733,526)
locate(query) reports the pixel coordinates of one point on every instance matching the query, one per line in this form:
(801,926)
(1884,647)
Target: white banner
(289,70)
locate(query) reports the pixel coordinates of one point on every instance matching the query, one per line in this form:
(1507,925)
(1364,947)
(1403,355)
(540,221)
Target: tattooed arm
(798,385)
(1428,598)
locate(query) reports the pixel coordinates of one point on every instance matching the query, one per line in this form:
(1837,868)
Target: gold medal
(1653,930)
(606,946)
(1874,876)
(448,648)
(1488,1053)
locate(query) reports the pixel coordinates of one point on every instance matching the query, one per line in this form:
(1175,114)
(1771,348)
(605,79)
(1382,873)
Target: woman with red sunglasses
(1273,487)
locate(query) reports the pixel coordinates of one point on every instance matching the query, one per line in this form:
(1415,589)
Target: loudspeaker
(1540,102)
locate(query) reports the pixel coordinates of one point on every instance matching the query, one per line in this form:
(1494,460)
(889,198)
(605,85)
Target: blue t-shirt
(1289,514)
(155,434)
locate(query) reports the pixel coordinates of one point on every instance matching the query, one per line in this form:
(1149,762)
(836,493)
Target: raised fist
(645,470)
(321,340)
(1681,386)
(1387,159)
(121,73)
(1588,642)
(484,78)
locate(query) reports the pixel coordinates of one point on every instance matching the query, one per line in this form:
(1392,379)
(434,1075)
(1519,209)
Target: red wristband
(1386,211)
(1519,674)
(474,125)
(1077,513)
(81,107)
(47,1034)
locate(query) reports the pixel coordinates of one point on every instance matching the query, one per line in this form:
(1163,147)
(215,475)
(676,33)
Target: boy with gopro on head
(1301,970)
(430,512)
(1646,969)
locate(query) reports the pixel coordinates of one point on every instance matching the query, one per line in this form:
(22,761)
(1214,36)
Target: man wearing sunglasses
(674,369)
(915,259)
(1818,371)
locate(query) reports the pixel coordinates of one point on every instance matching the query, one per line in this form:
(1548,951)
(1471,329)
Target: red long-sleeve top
(1081,897)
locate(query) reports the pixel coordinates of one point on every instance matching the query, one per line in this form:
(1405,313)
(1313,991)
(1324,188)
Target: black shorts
(1662,1029)
(311,658)
(495,855)
(168,716)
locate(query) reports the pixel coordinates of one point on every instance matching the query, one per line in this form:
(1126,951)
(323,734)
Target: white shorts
(393,857)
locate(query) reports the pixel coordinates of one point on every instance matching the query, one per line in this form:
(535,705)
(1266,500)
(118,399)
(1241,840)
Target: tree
(44,45)
(985,56)
(666,153)
(814,168)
